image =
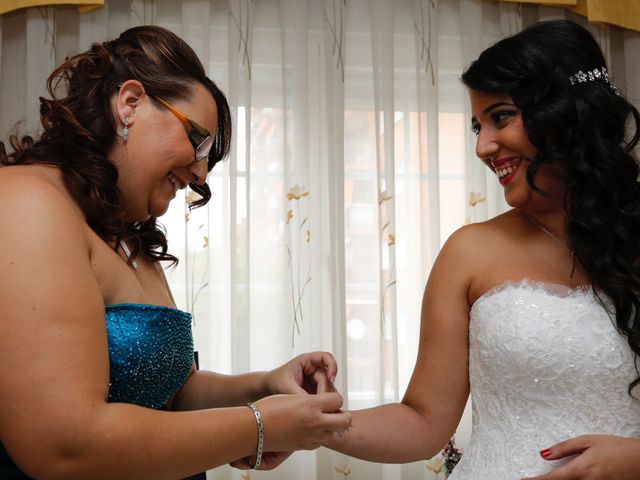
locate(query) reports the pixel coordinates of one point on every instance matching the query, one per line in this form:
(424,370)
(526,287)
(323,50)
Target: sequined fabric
(150,353)
(546,364)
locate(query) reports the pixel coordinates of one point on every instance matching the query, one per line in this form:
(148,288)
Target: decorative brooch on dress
(593,75)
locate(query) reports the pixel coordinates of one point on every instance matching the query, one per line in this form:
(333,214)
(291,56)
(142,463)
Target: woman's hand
(595,457)
(298,422)
(307,373)
(301,422)
(270,460)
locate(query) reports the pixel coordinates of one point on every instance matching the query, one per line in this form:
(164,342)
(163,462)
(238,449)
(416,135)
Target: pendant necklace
(574,258)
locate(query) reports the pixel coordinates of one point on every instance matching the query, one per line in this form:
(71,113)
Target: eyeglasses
(200,138)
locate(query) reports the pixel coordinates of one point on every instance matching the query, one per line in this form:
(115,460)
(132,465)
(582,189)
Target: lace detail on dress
(554,289)
(546,363)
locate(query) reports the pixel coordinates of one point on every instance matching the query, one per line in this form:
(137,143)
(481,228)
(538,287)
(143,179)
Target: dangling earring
(125,130)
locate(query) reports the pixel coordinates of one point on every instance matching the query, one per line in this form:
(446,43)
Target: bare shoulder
(30,179)
(477,235)
(474,255)
(470,243)
(34,198)
(44,234)
(504,253)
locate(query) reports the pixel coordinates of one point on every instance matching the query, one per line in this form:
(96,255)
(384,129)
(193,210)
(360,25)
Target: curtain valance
(83,5)
(623,13)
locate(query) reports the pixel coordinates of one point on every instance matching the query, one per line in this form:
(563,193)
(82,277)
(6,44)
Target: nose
(486,145)
(199,171)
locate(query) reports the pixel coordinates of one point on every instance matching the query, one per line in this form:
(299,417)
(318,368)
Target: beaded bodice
(150,353)
(546,363)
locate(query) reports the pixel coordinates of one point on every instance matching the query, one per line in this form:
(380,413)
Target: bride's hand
(595,457)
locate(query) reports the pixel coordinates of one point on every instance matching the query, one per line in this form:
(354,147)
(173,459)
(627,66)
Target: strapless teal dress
(150,356)
(150,353)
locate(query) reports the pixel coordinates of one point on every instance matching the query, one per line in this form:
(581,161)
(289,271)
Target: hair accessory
(125,130)
(593,75)
(256,413)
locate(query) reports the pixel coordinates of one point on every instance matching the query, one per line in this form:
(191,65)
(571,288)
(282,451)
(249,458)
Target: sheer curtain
(352,162)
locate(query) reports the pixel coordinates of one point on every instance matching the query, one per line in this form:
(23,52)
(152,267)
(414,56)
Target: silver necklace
(574,258)
(127,252)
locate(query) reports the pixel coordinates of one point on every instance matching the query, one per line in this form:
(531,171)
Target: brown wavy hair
(80,127)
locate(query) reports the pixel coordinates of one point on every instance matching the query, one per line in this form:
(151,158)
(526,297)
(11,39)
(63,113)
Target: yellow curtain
(83,5)
(624,13)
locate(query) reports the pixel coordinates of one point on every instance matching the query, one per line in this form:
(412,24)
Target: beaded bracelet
(256,413)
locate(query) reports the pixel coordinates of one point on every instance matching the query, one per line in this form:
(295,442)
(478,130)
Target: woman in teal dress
(98,377)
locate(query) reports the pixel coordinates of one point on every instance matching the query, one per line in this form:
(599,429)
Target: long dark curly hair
(590,129)
(80,127)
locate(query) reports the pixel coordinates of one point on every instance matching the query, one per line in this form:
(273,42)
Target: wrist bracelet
(256,413)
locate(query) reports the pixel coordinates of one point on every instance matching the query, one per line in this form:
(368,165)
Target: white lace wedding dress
(546,364)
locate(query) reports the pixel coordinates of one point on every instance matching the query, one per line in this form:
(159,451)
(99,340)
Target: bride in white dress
(535,313)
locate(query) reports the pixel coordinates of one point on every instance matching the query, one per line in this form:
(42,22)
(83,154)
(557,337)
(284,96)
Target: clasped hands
(302,408)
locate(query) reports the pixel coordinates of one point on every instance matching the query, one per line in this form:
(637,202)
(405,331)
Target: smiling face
(158,159)
(503,145)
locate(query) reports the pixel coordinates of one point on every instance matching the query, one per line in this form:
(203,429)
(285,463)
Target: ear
(128,99)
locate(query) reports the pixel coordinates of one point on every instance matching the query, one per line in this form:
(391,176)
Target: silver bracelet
(256,413)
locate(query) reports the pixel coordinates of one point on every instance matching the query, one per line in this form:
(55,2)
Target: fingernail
(545,453)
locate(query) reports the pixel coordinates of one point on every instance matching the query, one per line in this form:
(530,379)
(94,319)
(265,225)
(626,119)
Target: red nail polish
(545,453)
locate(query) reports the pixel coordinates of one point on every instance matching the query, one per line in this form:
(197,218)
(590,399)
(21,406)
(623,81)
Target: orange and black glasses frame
(199,137)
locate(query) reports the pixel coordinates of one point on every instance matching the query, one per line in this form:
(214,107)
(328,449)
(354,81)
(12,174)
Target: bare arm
(55,421)
(306,373)
(421,425)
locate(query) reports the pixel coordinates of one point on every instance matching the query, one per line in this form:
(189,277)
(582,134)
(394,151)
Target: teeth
(506,171)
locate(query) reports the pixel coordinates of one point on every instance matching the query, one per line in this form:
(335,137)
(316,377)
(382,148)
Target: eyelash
(498,119)
(501,116)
